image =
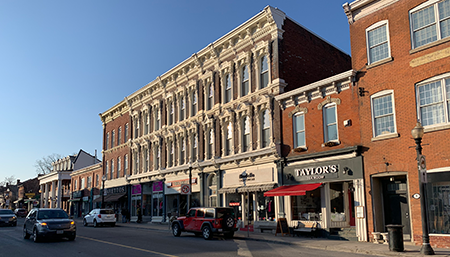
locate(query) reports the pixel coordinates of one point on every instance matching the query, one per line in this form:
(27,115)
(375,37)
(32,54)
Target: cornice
(361,8)
(86,169)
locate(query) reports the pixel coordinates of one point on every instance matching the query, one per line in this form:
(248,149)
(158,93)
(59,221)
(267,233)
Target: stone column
(52,203)
(59,193)
(42,195)
(46,196)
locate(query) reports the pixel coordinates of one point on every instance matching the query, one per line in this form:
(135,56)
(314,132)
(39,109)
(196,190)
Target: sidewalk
(307,242)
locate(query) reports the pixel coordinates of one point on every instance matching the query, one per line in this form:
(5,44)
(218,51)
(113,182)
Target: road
(127,241)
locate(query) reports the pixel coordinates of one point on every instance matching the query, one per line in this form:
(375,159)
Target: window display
(307,207)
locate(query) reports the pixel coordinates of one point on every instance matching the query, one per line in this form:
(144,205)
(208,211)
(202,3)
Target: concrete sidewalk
(313,243)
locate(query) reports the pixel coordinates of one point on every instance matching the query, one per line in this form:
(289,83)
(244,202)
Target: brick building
(322,165)
(401,51)
(86,187)
(212,117)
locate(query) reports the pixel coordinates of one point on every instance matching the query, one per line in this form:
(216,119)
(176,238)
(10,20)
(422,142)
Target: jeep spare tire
(228,222)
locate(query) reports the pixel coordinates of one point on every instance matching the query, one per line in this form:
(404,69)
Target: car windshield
(106,212)
(52,214)
(222,212)
(6,212)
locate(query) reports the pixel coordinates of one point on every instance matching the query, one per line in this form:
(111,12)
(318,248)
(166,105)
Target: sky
(62,62)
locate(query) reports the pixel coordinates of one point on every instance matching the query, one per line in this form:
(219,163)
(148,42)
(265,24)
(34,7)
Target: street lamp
(417,134)
(103,191)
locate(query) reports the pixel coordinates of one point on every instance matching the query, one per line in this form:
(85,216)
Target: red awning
(292,190)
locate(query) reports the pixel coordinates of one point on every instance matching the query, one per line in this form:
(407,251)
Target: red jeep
(207,222)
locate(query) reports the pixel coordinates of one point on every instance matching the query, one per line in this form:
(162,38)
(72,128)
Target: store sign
(232,204)
(115,190)
(158,186)
(178,183)
(136,189)
(319,172)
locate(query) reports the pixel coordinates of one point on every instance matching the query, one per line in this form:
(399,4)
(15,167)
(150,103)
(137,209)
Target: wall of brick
(400,76)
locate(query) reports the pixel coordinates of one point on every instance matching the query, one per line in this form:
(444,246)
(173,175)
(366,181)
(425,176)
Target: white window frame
(113,135)
(119,136)
(388,41)
(228,87)
(262,129)
(107,170)
(262,72)
(372,106)
(126,133)
(209,97)
(125,165)
(436,22)
(228,139)
(157,118)
(297,130)
(112,169)
(89,182)
(107,141)
(210,144)
(326,125)
(247,80)
(146,123)
(194,147)
(194,103)
(146,160)
(171,113)
(182,113)
(445,100)
(182,150)
(244,147)
(118,167)
(83,184)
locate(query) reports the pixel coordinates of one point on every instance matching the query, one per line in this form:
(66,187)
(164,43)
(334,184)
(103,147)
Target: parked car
(100,217)
(7,217)
(20,212)
(49,223)
(206,222)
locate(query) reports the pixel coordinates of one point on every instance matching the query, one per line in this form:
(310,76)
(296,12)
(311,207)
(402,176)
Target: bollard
(395,235)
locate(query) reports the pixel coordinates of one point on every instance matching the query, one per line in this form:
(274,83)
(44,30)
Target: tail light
(100,216)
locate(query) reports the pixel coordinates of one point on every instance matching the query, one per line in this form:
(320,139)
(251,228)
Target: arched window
(264,74)
(246,134)
(265,134)
(229,139)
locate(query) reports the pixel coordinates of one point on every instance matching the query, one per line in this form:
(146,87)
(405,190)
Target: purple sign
(158,186)
(136,190)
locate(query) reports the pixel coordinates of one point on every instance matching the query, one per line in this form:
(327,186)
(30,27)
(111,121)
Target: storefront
(177,200)
(115,198)
(250,198)
(325,189)
(439,201)
(157,201)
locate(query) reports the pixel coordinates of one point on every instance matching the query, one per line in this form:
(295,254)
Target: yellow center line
(126,246)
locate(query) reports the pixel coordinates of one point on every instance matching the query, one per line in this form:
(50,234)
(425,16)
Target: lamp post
(417,134)
(190,187)
(103,191)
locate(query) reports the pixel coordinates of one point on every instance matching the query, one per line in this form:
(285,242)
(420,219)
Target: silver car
(100,217)
(49,223)
(7,217)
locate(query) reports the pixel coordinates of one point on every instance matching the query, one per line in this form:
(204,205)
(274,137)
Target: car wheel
(25,233)
(229,234)
(36,237)
(71,238)
(228,222)
(95,223)
(176,230)
(207,233)
(84,222)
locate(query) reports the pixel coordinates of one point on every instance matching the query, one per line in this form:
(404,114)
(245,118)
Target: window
(83,183)
(330,123)
(433,97)
(299,130)
(126,132)
(107,169)
(264,75)
(182,108)
(107,141)
(171,154)
(245,86)
(75,186)
(171,111)
(182,150)
(158,157)
(229,139)
(146,161)
(112,169)
(146,123)
(157,119)
(377,42)
(246,134)
(97,180)
(227,95)
(210,102)
(119,136)
(265,129)
(209,152)
(194,148)
(430,23)
(113,135)
(118,166)
(383,113)
(194,108)
(136,163)
(125,165)
(89,182)
(136,127)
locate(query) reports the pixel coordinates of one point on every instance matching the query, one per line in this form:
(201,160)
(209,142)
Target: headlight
(43,224)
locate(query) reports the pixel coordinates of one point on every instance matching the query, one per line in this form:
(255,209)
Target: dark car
(7,217)
(20,212)
(207,222)
(49,223)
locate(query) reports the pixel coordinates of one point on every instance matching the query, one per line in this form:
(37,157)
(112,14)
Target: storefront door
(396,209)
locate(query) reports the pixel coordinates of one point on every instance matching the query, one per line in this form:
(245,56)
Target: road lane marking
(243,248)
(126,246)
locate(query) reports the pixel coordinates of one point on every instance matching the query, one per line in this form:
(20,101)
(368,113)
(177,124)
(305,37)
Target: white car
(100,217)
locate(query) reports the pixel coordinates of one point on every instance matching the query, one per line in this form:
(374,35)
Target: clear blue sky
(64,62)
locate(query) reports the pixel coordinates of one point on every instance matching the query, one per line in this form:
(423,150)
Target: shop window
(307,207)
(266,207)
(439,202)
(337,202)
(157,204)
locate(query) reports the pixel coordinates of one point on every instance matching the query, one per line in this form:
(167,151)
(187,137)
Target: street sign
(185,189)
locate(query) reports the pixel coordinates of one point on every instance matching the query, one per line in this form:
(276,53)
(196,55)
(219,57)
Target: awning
(244,189)
(113,197)
(74,200)
(292,190)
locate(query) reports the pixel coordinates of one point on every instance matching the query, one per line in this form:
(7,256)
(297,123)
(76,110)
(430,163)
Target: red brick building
(86,187)
(321,163)
(401,50)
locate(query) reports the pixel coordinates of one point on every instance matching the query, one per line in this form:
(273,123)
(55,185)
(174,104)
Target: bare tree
(44,165)
(8,180)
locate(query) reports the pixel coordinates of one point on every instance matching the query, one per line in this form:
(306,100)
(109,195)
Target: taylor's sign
(319,172)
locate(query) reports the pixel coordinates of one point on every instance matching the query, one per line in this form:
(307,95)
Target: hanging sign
(185,189)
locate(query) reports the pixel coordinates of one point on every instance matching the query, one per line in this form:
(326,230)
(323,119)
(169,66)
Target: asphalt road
(126,241)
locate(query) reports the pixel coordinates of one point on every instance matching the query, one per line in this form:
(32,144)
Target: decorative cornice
(327,101)
(298,109)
